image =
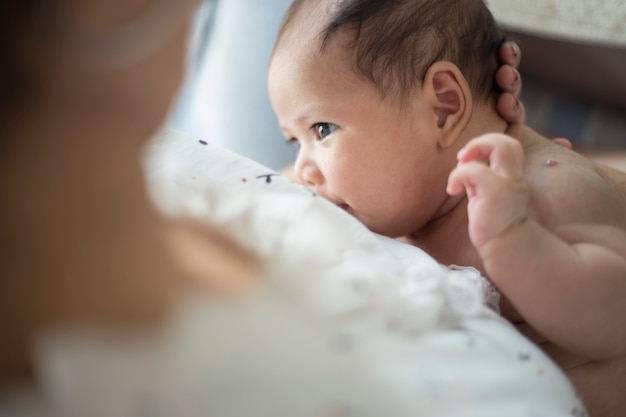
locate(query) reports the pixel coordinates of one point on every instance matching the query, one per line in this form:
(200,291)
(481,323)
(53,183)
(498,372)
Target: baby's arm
(569,283)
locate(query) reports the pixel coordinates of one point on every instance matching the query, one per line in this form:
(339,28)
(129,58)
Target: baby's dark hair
(396,41)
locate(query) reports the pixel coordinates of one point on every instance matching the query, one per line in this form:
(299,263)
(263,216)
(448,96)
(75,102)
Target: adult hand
(509,80)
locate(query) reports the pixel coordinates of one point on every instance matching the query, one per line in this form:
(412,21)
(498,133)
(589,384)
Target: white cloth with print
(344,323)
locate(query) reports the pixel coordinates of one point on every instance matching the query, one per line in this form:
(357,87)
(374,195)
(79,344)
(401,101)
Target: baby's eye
(324,129)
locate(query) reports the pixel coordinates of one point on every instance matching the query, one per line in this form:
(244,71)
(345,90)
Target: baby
(392,104)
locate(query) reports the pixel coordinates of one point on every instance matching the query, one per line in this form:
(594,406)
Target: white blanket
(344,323)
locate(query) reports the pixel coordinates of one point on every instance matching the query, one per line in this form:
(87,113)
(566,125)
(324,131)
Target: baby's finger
(478,149)
(504,154)
(467,177)
(456,185)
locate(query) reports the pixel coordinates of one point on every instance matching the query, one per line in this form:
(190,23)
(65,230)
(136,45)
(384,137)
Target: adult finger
(510,54)
(511,109)
(509,80)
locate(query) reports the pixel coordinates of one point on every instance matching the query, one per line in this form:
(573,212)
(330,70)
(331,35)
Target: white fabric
(344,322)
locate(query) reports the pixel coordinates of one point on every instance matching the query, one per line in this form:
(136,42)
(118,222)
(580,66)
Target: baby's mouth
(345,207)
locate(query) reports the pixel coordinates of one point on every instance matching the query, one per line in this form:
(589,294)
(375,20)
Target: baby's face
(369,155)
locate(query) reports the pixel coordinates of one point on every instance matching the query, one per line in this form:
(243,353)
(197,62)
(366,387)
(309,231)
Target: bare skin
(526,215)
(347,141)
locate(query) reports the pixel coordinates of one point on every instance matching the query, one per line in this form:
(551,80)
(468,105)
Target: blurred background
(574,70)
(573,67)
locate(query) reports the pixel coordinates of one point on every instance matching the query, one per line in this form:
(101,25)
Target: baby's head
(380,95)
(394,42)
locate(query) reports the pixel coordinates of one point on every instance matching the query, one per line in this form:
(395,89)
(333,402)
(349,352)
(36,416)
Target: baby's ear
(450,100)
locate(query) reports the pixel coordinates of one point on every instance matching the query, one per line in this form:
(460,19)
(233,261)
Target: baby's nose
(308,173)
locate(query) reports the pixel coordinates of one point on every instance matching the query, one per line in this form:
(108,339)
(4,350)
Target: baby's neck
(485,119)
(445,237)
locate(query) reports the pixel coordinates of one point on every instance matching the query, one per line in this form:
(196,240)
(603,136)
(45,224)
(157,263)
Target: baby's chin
(384,229)
(370,225)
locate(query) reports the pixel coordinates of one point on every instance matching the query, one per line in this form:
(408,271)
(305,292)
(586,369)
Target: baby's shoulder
(566,187)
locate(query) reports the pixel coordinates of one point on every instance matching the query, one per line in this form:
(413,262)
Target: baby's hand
(491,171)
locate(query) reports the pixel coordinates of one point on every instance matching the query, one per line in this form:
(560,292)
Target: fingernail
(514,83)
(515,51)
